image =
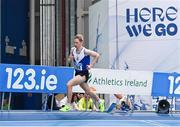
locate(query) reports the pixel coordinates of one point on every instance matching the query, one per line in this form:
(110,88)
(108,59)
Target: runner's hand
(89,67)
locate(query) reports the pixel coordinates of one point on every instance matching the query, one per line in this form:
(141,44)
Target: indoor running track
(37,118)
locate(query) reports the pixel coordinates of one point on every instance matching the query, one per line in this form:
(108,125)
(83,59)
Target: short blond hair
(79,37)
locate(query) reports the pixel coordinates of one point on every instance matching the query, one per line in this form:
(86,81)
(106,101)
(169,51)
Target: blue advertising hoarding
(36,79)
(166,84)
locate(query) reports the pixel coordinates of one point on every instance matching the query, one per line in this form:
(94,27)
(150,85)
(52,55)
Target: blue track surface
(88,119)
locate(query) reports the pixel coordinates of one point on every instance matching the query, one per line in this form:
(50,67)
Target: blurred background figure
(122,103)
(86,103)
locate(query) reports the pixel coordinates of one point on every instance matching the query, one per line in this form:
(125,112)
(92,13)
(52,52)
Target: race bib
(78,66)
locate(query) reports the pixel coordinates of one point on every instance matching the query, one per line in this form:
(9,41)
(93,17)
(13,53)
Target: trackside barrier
(134,82)
(45,79)
(34,79)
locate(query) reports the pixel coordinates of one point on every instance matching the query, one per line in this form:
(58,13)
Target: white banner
(116,81)
(99,32)
(136,35)
(147,35)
